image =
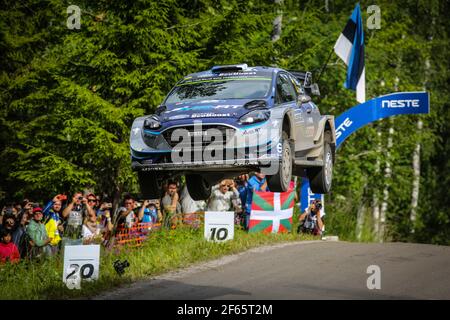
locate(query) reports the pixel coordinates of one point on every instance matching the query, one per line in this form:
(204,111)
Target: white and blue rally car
(232,120)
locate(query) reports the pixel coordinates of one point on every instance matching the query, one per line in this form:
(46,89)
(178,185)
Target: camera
(120,266)
(318,205)
(80,198)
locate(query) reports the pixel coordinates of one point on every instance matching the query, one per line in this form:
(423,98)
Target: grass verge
(162,252)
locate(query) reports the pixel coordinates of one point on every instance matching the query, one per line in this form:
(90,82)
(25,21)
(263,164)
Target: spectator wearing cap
(149,212)
(8,250)
(38,234)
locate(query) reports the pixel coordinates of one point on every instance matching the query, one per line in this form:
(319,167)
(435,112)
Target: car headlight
(152,123)
(255,117)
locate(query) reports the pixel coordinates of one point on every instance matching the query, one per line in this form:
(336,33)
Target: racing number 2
(221,234)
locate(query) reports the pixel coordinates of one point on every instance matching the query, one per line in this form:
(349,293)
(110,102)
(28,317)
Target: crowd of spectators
(31,231)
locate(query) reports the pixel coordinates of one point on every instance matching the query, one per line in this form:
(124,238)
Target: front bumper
(205,165)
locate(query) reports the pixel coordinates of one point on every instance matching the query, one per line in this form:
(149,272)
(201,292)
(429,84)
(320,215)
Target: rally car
(232,120)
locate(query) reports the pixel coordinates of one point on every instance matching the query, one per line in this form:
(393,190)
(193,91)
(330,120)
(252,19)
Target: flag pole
(325,64)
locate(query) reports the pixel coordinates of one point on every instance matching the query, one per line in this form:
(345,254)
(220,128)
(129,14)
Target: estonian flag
(350,48)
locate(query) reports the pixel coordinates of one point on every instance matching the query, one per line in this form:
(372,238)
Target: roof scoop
(229,68)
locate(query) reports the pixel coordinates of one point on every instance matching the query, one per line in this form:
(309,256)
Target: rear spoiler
(305,78)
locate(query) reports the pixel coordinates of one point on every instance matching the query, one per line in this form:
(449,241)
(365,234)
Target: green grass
(162,252)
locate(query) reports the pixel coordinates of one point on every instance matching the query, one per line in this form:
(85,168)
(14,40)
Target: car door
(287,90)
(286,96)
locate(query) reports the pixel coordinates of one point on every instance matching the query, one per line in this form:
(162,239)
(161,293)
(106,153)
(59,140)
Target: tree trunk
(375,201)
(277,22)
(360,220)
(416,156)
(387,177)
(416,180)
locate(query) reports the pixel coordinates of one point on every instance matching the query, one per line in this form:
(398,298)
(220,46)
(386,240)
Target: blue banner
(378,108)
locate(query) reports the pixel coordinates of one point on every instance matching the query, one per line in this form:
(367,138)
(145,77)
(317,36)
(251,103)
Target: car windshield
(244,88)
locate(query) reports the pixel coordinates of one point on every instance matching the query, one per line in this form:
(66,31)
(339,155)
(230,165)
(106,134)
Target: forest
(68,96)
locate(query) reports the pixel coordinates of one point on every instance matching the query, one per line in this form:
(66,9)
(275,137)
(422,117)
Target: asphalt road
(306,270)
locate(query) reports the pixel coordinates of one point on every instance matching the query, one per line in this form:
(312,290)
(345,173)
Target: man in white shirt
(222,196)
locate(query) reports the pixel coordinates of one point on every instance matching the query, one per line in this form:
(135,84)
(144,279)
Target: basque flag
(272,211)
(350,48)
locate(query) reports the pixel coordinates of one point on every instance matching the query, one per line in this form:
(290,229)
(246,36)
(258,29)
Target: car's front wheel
(280,181)
(198,187)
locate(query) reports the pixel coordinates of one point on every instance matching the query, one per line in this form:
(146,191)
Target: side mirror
(303,99)
(315,89)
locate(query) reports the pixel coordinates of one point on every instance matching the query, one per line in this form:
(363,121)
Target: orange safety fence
(134,236)
(193,219)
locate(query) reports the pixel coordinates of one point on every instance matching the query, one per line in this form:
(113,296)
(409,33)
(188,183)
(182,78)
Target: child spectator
(149,212)
(8,250)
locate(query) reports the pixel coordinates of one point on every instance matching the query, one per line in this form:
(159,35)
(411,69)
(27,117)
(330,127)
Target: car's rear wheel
(281,180)
(320,178)
(150,184)
(198,187)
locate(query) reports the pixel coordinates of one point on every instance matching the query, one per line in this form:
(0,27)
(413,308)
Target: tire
(320,178)
(198,187)
(280,181)
(150,185)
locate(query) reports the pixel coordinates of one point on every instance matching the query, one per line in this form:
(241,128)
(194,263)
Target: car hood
(205,109)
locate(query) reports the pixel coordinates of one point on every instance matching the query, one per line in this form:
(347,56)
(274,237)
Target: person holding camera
(311,220)
(74,213)
(127,214)
(149,212)
(222,196)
